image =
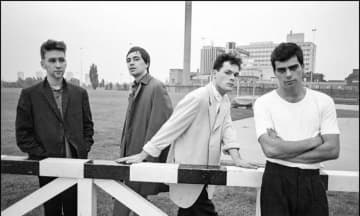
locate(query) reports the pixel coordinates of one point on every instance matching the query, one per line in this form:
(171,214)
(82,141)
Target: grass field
(108,109)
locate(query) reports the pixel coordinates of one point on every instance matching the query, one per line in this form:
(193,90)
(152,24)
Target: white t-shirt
(296,121)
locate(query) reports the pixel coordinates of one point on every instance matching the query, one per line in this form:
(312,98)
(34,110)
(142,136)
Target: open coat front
(147,110)
(197,134)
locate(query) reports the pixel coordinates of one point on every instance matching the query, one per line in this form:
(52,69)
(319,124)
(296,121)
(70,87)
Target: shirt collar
(217,95)
(144,80)
(63,86)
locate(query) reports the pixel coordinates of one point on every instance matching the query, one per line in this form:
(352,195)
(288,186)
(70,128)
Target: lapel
(144,81)
(47,92)
(65,98)
(212,106)
(220,116)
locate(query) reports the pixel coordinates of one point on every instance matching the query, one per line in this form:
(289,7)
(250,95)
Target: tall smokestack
(187,37)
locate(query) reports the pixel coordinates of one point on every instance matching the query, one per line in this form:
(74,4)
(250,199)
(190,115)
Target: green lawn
(108,109)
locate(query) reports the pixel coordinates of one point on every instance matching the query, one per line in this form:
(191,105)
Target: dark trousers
(202,207)
(289,191)
(63,204)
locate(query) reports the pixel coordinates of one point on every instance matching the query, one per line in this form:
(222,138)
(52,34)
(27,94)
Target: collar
(46,83)
(144,80)
(217,95)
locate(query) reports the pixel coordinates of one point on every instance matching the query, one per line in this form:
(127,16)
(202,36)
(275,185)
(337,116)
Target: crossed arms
(312,150)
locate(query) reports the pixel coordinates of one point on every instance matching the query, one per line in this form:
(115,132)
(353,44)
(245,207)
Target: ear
(213,74)
(42,64)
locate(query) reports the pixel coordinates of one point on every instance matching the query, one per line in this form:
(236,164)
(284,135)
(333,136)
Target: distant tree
(353,78)
(126,86)
(117,86)
(109,86)
(94,77)
(102,83)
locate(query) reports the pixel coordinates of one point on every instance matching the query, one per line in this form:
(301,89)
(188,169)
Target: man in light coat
(199,127)
(149,107)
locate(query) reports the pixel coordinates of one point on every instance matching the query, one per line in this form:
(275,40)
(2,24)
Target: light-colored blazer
(197,134)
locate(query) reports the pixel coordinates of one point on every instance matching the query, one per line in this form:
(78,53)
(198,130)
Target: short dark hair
(285,51)
(51,45)
(233,59)
(144,54)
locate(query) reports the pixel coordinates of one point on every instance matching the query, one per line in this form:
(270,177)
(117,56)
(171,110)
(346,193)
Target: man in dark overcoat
(54,119)
(149,107)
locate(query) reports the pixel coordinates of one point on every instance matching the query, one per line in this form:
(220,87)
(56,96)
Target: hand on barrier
(247,164)
(136,158)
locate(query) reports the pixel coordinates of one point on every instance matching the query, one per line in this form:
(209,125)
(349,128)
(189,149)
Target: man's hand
(137,158)
(272,133)
(317,140)
(247,164)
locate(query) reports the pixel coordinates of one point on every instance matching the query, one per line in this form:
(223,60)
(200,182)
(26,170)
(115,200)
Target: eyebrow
(291,66)
(133,57)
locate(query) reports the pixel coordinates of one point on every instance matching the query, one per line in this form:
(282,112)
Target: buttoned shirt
(58,99)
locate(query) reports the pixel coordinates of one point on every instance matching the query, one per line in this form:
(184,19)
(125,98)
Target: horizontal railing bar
(161,172)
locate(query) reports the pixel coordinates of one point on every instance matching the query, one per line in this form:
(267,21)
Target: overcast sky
(105,31)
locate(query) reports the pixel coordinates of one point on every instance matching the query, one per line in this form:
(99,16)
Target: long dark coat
(148,109)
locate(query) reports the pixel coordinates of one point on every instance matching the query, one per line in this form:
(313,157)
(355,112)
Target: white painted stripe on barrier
(237,176)
(342,180)
(86,197)
(128,197)
(39,197)
(62,167)
(15,158)
(154,172)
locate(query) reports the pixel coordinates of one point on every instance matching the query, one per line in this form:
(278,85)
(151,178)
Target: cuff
(227,147)
(151,150)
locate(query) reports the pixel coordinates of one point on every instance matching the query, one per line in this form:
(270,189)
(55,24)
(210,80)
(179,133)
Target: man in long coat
(149,107)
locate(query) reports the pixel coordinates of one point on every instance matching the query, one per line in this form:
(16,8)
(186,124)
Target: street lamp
(81,65)
(312,71)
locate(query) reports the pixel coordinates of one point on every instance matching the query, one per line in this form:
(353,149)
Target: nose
(130,62)
(58,64)
(288,72)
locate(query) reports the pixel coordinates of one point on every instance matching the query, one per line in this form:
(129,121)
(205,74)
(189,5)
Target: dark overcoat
(148,109)
(40,128)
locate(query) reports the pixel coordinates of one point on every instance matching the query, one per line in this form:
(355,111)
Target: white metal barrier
(87,173)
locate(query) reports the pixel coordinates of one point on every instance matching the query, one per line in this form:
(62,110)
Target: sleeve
(161,110)
(88,125)
(182,117)
(229,136)
(262,118)
(24,127)
(329,124)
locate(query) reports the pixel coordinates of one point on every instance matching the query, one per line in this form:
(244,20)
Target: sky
(103,32)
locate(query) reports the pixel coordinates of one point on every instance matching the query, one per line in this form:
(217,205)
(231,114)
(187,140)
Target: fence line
(103,173)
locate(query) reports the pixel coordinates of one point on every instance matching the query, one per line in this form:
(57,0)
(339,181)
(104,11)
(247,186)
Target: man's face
(54,63)
(136,64)
(225,77)
(289,73)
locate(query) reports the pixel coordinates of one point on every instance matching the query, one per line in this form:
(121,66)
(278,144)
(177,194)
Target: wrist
(144,154)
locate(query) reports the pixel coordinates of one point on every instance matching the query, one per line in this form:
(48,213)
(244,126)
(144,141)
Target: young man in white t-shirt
(297,129)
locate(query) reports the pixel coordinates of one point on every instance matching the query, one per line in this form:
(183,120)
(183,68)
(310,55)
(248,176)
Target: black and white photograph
(180,108)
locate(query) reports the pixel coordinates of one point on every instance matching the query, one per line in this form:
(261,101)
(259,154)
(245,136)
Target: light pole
(81,65)
(312,71)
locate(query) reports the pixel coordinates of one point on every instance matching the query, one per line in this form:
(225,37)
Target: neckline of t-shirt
(293,103)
